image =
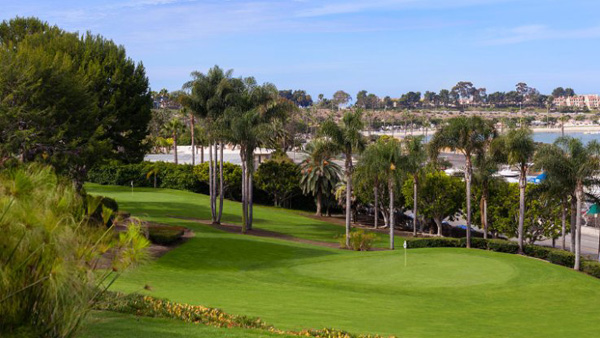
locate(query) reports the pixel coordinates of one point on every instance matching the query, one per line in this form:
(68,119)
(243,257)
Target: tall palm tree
(347,137)
(486,165)
(415,157)
(210,95)
(519,148)
(574,164)
(174,128)
(319,173)
(250,119)
(467,135)
(390,151)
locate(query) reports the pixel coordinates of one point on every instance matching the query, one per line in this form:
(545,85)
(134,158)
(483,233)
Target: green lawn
(440,293)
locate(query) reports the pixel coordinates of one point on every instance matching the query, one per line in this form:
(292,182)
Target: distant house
(589,100)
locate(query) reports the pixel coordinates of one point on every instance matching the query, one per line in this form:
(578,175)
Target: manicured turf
(441,292)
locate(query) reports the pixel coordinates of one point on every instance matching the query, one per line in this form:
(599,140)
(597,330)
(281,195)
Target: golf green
(448,292)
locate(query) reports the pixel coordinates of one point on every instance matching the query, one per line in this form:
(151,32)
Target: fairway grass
(442,292)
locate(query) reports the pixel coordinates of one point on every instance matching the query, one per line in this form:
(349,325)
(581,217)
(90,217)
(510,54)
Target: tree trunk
(193,144)
(376,196)
(251,198)
(468,197)
(348,196)
(522,185)
(578,231)
(210,181)
(175,147)
(573,222)
(244,193)
(319,198)
(391,189)
(201,154)
(564,224)
(415,218)
(155,180)
(221,192)
(438,222)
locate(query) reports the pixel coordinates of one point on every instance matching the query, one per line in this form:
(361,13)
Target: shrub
(500,245)
(537,251)
(47,285)
(592,268)
(359,240)
(476,243)
(164,234)
(561,257)
(433,242)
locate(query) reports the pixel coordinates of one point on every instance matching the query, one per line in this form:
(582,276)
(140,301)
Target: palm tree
(519,148)
(250,118)
(575,165)
(174,128)
(347,138)
(369,173)
(390,151)
(210,95)
(319,173)
(415,157)
(152,170)
(468,135)
(486,165)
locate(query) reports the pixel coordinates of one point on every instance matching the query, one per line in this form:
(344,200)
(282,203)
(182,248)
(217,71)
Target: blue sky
(387,47)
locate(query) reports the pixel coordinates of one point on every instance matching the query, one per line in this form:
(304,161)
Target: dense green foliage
(164,235)
(48,250)
(69,100)
(280,179)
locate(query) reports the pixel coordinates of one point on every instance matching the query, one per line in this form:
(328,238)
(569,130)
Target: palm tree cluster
(239,112)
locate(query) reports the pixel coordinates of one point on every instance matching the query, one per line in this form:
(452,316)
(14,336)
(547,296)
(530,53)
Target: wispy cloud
(529,33)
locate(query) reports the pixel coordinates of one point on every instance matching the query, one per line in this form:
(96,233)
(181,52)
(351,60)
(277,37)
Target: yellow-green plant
(48,253)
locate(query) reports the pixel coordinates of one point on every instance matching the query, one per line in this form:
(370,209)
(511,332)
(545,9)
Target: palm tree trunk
(210,181)
(155,180)
(175,147)
(348,196)
(573,222)
(244,193)
(250,199)
(201,154)
(522,185)
(578,231)
(564,224)
(319,198)
(193,144)
(415,185)
(468,197)
(376,193)
(391,189)
(221,192)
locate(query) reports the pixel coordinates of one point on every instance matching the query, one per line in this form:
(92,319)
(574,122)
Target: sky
(387,47)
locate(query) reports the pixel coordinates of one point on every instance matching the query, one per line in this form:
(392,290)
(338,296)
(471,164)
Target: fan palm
(346,137)
(319,173)
(468,135)
(574,165)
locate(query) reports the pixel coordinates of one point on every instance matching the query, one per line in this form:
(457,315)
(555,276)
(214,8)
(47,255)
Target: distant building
(589,100)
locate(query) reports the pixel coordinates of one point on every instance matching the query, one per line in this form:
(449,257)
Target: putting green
(442,292)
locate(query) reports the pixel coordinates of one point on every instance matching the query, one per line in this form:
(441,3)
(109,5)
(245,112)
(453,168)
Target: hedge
(552,255)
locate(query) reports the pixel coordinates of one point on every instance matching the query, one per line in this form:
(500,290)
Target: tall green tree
(439,198)
(467,135)
(348,139)
(576,165)
(174,129)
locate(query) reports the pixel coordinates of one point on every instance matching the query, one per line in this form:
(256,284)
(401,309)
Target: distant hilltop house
(589,101)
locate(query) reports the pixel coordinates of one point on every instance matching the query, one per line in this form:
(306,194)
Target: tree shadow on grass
(233,252)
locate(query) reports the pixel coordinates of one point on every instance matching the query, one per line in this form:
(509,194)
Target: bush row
(552,255)
(148,306)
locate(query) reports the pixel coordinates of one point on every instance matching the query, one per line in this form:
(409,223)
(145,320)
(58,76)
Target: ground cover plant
(450,292)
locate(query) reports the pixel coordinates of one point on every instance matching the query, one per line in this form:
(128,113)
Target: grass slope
(447,292)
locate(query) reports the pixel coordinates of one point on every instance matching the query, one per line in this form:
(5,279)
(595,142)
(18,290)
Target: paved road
(589,241)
